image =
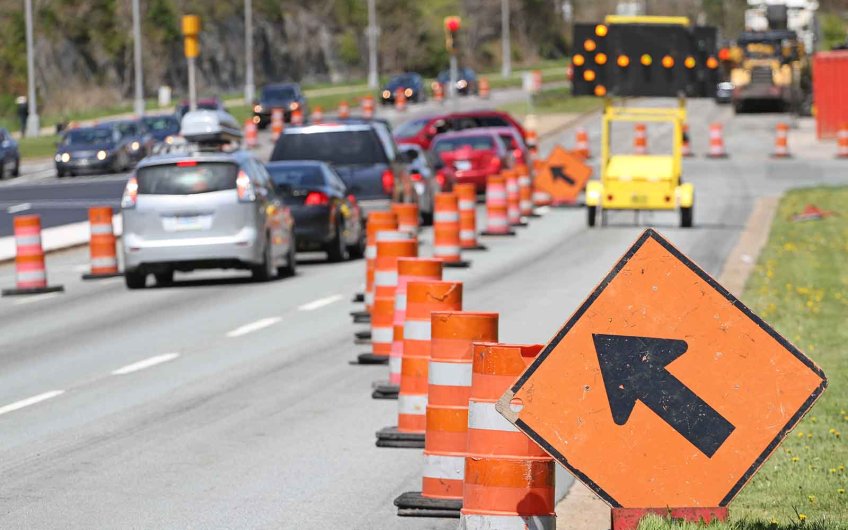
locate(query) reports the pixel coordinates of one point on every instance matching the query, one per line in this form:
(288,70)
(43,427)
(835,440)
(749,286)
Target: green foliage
(832,30)
(349,51)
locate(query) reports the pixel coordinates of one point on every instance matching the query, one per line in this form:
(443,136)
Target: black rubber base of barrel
(358,297)
(385,390)
(510,233)
(370,358)
(414,504)
(473,249)
(33,290)
(90,276)
(363,335)
(361,317)
(522,224)
(462,264)
(391,437)
(776,156)
(718,156)
(533,215)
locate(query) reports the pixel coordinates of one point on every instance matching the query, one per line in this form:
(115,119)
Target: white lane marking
(253,326)
(146,363)
(35,298)
(22,207)
(321,302)
(11,407)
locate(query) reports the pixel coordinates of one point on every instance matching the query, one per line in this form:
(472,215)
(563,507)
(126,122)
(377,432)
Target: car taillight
(316,198)
(441,179)
(246,193)
(416,177)
(518,155)
(130,196)
(388,181)
(494,164)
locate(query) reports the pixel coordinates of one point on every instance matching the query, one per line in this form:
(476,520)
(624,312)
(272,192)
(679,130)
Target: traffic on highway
(438,303)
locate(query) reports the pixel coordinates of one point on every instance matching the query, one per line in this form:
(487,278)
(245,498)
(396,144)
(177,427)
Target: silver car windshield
(187,178)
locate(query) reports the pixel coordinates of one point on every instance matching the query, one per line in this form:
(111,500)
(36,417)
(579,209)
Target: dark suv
(364,155)
(286,96)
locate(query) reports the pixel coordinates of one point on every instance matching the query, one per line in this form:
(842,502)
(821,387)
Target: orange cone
(409,270)
(317,115)
(251,134)
(525,192)
(400,100)
(422,299)
(686,149)
(377,221)
(344,110)
(497,223)
(445,441)
(842,142)
(483,88)
(30,271)
(407,217)
(385,285)
(581,145)
(102,251)
(532,141)
(540,197)
(467,200)
(640,139)
(716,142)
(297,117)
(509,479)
(513,201)
(438,92)
(446,244)
(276,123)
(367,106)
(781,141)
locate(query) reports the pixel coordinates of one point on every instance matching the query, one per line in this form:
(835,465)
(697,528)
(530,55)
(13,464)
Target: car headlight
(135,146)
(257,108)
(169,139)
(101,155)
(66,157)
(386,94)
(462,83)
(408,92)
(294,105)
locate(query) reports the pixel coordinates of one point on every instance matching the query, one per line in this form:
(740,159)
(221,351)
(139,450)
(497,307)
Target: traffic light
(452,27)
(191,35)
(644,56)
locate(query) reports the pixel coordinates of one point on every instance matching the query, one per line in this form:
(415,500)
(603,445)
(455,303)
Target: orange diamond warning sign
(563,175)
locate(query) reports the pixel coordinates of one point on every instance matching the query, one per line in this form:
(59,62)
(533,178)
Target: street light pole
(138,105)
(32,124)
(249,85)
(506,49)
(373,32)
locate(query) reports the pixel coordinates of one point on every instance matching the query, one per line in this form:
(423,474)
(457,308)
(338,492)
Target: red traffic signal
(453,24)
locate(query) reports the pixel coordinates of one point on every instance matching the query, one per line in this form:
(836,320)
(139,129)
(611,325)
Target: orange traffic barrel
(438,92)
(716,149)
(317,115)
(525,192)
(532,140)
(449,376)
(581,143)
(389,249)
(377,221)
(640,139)
(686,148)
(781,141)
(509,479)
(297,117)
(483,88)
(251,134)
(102,249)
(367,106)
(400,99)
(409,270)
(513,208)
(446,244)
(842,142)
(540,197)
(466,195)
(422,299)
(277,119)
(30,270)
(344,110)
(497,223)
(407,217)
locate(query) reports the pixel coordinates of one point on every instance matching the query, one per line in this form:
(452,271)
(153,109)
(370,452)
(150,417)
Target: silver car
(202,210)
(424,179)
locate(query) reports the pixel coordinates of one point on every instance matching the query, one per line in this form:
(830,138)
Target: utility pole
(506,49)
(373,32)
(138,104)
(32,125)
(249,84)
(191,36)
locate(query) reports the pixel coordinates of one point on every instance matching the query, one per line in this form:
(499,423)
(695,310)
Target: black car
(363,154)
(412,85)
(466,81)
(286,96)
(10,156)
(91,149)
(134,136)
(162,126)
(326,215)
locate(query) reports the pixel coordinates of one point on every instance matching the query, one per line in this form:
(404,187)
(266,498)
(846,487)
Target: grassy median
(800,286)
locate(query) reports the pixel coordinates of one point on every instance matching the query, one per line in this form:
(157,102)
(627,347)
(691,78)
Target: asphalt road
(63,201)
(245,411)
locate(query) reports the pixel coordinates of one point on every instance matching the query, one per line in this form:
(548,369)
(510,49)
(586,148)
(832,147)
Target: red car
(470,156)
(515,143)
(421,131)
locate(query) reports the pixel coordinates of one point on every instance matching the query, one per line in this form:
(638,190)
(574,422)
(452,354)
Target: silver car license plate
(462,165)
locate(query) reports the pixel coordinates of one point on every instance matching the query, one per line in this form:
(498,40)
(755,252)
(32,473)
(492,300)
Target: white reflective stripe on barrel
(497,221)
(400,302)
(466,205)
(445,217)
(412,404)
(395,362)
(104,262)
(449,374)
(391,235)
(416,330)
(101,229)
(507,522)
(385,278)
(446,250)
(511,186)
(369,298)
(370,252)
(483,416)
(466,235)
(30,276)
(26,241)
(496,195)
(524,180)
(526,205)
(381,334)
(444,467)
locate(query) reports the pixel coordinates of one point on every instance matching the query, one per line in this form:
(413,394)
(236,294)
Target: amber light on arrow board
(623,61)
(601,58)
(646,60)
(668,61)
(689,62)
(589,76)
(712,64)
(578,60)
(601,30)
(589,45)
(600,90)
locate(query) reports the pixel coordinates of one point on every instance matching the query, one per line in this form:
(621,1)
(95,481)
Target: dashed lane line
(321,302)
(17,405)
(253,326)
(146,363)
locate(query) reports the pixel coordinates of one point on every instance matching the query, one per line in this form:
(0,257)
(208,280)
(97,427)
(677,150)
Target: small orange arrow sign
(563,175)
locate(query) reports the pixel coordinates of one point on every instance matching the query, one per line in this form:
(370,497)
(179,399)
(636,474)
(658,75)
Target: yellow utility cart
(641,182)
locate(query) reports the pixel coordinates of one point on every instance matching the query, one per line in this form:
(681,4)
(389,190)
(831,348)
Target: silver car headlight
(135,146)
(462,83)
(101,155)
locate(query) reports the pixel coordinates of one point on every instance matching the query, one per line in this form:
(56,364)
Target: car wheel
(2,169)
(265,270)
(17,171)
(60,174)
(686,217)
(593,215)
(290,268)
(336,248)
(164,278)
(135,279)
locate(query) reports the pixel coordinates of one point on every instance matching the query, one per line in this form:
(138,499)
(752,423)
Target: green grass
(554,101)
(39,147)
(800,286)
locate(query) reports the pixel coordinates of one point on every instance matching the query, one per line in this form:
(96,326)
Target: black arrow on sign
(633,368)
(559,173)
